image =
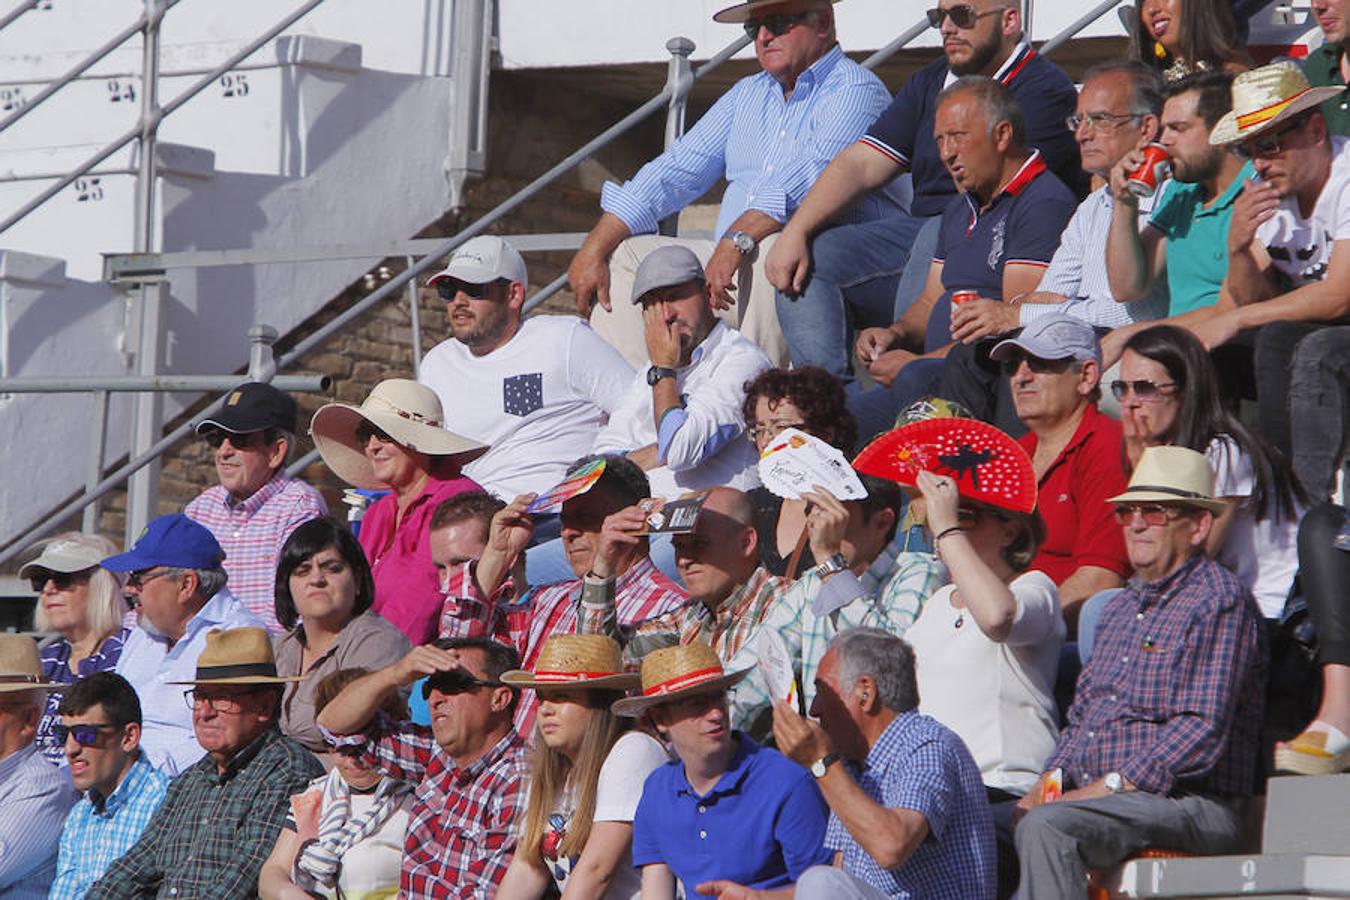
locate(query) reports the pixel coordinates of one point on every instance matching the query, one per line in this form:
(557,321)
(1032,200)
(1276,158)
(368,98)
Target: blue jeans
(855,273)
(876,410)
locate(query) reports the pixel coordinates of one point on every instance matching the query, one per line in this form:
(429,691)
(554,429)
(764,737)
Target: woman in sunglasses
(586,778)
(323,594)
(82,602)
(1169,394)
(344,837)
(1178,37)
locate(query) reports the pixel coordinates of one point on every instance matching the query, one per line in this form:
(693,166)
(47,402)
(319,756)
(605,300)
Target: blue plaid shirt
(921,765)
(1173,695)
(98,831)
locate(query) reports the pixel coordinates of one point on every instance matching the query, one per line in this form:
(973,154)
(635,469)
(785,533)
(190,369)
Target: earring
(1159,50)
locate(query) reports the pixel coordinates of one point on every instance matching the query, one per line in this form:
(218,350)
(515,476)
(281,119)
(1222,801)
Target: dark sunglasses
(1037,365)
(962,16)
(1144,390)
(1153,513)
(776,25)
(86,733)
(63,581)
(140,579)
(448,288)
(456,681)
(365,431)
(214,437)
(1267,145)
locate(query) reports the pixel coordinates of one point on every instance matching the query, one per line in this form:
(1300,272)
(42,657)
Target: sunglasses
(365,431)
(138,580)
(776,25)
(1268,145)
(62,581)
(1153,513)
(1035,365)
(85,734)
(449,288)
(1148,391)
(456,681)
(962,16)
(214,437)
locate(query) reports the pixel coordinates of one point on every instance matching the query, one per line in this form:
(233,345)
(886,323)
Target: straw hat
(674,672)
(744,12)
(576,660)
(20,667)
(1172,475)
(238,656)
(408,412)
(1265,97)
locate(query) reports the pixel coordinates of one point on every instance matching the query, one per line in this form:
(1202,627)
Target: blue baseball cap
(173,540)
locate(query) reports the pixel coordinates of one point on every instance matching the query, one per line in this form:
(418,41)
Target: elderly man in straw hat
(221,817)
(727,809)
(1160,748)
(34,795)
(1289,263)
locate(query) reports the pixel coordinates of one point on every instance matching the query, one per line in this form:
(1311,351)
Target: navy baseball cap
(173,540)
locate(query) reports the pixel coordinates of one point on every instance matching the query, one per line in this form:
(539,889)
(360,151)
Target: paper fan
(987,465)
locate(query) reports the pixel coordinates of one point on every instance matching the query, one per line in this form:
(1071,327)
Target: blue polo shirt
(761,825)
(1197,241)
(1022,224)
(904,131)
(920,765)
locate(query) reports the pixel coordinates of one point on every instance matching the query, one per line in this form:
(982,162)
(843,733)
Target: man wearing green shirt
(1328,64)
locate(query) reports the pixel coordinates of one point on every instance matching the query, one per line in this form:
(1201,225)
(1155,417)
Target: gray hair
(209,581)
(882,656)
(1146,85)
(104,607)
(996,102)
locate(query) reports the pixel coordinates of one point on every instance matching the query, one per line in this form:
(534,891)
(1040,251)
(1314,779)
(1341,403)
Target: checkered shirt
(98,831)
(920,765)
(889,595)
(462,824)
(213,832)
(252,533)
(56,667)
(1173,695)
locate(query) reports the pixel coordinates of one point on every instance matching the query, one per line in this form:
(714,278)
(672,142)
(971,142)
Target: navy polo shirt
(904,131)
(1023,225)
(762,825)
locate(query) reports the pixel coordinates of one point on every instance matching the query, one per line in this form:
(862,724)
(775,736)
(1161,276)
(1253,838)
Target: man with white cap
(1161,743)
(536,391)
(256,505)
(681,420)
(34,795)
(770,136)
(1054,368)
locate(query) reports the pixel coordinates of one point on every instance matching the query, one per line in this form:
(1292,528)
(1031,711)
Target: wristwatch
(822,765)
(831,565)
(1114,782)
(656,373)
(743,242)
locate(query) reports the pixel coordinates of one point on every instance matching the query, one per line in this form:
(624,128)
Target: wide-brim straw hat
(408,412)
(674,672)
(238,656)
(744,12)
(21,667)
(1265,97)
(576,661)
(1172,475)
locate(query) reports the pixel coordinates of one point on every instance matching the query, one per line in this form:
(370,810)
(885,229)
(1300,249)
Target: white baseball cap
(483,259)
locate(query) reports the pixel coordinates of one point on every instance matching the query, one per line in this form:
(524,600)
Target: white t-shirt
(633,757)
(1301,247)
(1263,555)
(537,401)
(1000,698)
(371,867)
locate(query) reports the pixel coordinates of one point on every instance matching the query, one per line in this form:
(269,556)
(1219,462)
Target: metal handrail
(895,46)
(16,12)
(1080,23)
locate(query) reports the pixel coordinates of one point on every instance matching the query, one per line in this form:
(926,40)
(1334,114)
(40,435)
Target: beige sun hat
(744,12)
(674,672)
(1265,97)
(1172,475)
(238,656)
(408,412)
(21,667)
(576,660)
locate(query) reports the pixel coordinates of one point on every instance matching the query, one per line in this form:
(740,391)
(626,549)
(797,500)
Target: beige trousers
(755,313)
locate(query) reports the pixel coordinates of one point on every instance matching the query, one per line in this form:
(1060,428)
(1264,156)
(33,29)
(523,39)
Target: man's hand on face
(663,339)
(720,272)
(589,276)
(800,739)
(1256,203)
(976,319)
(619,533)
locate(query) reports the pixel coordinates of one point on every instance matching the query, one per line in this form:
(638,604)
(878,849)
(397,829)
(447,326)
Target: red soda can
(964,296)
(1153,171)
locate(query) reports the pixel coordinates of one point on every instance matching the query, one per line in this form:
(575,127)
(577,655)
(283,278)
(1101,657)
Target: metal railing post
(679,79)
(89,523)
(262,366)
(415,319)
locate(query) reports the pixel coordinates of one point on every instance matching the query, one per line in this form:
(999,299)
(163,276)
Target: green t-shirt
(1323,67)
(1197,241)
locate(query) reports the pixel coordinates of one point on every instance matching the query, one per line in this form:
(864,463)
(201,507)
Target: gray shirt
(35,797)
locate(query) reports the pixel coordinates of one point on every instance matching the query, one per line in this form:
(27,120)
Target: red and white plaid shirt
(252,533)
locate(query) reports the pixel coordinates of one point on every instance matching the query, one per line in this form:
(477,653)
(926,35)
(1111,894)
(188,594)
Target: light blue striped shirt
(770,150)
(1078,271)
(96,835)
(34,798)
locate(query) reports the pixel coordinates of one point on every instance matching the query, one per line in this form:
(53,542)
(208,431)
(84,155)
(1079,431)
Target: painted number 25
(234,85)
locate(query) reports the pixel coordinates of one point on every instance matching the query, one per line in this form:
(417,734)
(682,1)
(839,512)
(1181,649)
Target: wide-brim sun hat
(408,412)
(576,661)
(1172,475)
(1266,96)
(238,656)
(744,12)
(21,667)
(671,673)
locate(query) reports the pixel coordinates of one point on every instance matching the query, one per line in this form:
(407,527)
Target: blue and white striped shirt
(34,799)
(770,150)
(97,834)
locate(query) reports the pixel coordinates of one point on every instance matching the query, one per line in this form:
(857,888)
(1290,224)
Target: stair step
(1306,814)
(1267,876)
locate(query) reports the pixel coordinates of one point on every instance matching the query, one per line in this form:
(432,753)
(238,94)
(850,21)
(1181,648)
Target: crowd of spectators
(1094,424)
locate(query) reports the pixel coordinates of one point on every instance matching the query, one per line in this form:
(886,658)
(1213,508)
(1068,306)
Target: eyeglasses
(230,703)
(776,25)
(138,580)
(963,16)
(1147,391)
(85,733)
(1099,121)
(249,440)
(365,431)
(770,430)
(1035,365)
(456,681)
(1153,513)
(1267,145)
(449,288)
(62,581)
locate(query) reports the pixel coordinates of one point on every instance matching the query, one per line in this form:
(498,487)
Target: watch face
(818,768)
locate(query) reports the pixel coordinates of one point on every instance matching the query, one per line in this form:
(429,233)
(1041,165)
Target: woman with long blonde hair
(586,776)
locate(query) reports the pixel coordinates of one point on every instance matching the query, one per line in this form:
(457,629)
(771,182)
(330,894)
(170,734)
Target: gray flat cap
(664,266)
(1055,336)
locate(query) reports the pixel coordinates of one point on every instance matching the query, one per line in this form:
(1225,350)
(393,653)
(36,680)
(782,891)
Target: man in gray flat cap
(681,417)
